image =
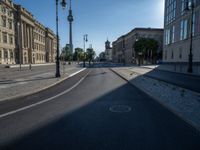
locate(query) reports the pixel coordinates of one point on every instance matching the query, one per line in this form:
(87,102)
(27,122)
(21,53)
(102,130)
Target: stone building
(123,47)
(7,32)
(23,40)
(177,29)
(39,43)
(24,26)
(54,50)
(50,46)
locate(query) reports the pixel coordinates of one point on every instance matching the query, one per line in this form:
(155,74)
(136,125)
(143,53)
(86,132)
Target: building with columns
(24,40)
(25,24)
(123,48)
(7,32)
(177,35)
(39,43)
(50,46)
(54,50)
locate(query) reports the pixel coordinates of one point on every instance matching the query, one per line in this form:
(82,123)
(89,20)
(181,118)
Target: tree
(78,54)
(147,48)
(66,53)
(102,56)
(90,54)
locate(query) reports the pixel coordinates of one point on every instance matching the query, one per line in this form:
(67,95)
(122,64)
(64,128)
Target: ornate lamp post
(63,3)
(85,39)
(190,8)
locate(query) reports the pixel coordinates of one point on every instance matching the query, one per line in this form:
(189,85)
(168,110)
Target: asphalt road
(103,112)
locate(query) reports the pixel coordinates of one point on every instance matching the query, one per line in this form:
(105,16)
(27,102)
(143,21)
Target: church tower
(107,44)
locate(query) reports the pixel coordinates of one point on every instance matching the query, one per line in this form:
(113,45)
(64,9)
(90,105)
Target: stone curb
(40,89)
(155,98)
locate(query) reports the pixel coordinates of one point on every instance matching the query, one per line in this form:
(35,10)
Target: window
(10,24)
(3,10)
(186,4)
(0,55)
(10,39)
(183,6)
(10,13)
(170,11)
(184,30)
(173,34)
(5,54)
(4,38)
(11,54)
(193,26)
(4,21)
(167,36)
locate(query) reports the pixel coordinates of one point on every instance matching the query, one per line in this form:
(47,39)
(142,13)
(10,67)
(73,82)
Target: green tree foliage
(66,53)
(90,55)
(102,56)
(78,54)
(147,47)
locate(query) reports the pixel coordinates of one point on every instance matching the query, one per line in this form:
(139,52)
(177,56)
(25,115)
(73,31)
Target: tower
(107,44)
(70,19)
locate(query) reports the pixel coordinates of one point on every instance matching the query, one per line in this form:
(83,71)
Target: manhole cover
(120,109)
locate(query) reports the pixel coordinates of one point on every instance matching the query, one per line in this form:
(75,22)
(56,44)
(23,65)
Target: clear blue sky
(100,19)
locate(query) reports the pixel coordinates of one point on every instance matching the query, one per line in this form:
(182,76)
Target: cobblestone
(183,102)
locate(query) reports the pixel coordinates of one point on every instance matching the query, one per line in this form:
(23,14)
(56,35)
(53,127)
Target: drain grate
(120,109)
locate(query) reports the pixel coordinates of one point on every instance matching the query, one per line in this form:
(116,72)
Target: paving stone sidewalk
(182,102)
(32,84)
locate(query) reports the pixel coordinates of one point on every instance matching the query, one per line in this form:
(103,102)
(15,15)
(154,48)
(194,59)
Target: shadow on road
(93,126)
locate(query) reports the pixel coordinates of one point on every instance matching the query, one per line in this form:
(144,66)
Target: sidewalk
(32,65)
(10,89)
(168,69)
(182,102)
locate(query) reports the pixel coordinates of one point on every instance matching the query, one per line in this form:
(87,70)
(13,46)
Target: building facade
(7,32)
(23,40)
(50,46)
(177,28)
(24,25)
(123,48)
(39,43)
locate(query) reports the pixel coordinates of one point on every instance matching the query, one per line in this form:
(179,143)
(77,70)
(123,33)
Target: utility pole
(63,3)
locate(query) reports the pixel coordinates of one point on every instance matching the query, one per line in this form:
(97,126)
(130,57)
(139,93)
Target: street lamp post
(190,67)
(63,3)
(85,39)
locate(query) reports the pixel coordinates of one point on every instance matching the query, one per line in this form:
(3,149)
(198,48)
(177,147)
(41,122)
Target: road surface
(94,110)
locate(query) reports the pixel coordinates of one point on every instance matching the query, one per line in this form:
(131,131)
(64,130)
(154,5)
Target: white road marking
(73,74)
(46,100)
